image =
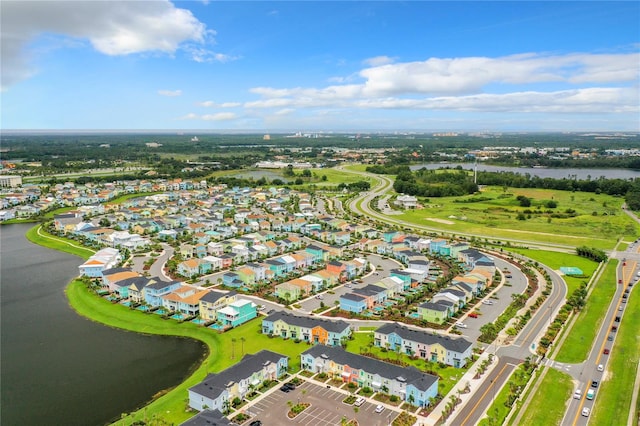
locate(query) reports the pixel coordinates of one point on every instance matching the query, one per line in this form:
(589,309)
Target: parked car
(487,302)
(359,401)
(285,388)
(473,315)
(460,324)
(319,297)
(255,423)
(379,409)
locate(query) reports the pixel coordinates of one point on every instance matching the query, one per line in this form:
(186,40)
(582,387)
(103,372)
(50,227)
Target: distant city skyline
(321,66)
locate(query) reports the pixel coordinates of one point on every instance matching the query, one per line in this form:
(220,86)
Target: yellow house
(213,301)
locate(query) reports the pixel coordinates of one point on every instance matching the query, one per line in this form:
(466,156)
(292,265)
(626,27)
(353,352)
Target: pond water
(59,368)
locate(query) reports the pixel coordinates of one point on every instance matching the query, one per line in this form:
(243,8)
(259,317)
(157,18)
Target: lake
(59,368)
(540,172)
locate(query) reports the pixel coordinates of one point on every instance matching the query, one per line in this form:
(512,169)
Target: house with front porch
(154,291)
(352,302)
(217,390)
(213,301)
(408,383)
(185,300)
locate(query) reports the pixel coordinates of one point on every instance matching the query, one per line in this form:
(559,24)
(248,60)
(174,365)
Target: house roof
(459,345)
(370,290)
(307,322)
(410,375)
(214,384)
(213,296)
(440,307)
(208,418)
(353,296)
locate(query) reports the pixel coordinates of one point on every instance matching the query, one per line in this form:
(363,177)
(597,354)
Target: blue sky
(321,66)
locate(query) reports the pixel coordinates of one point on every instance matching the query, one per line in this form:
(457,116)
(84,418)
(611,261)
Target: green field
(549,401)
(222,350)
(578,342)
(556,260)
(599,221)
(613,403)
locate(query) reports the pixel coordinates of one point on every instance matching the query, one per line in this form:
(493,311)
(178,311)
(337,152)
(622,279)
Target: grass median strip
(550,400)
(579,340)
(613,402)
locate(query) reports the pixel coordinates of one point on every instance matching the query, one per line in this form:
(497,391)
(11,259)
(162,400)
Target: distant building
(10,181)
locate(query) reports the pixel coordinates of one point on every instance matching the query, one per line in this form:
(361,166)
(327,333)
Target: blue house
(154,291)
(351,302)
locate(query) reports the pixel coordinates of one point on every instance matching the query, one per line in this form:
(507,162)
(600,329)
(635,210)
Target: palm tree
(242,339)
(233,345)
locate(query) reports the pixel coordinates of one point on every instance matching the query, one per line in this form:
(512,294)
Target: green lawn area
(613,403)
(549,400)
(448,376)
(599,221)
(555,260)
(57,243)
(171,406)
(579,340)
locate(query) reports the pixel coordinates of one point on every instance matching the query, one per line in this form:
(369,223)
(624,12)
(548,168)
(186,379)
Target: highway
(605,340)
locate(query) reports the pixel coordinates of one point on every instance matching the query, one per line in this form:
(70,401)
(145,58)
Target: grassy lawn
(555,260)
(598,221)
(578,342)
(613,403)
(448,376)
(57,243)
(222,351)
(550,400)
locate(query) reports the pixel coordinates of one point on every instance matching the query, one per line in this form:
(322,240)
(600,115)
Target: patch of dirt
(444,221)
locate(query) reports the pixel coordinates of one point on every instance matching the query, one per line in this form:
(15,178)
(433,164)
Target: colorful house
(307,329)
(237,313)
(213,301)
(153,292)
(437,313)
(408,383)
(426,345)
(217,390)
(352,302)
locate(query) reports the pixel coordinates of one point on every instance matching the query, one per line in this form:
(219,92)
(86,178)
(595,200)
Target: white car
(578,394)
(379,409)
(600,367)
(359,402)
(586,411)
(487,302)
(461,325)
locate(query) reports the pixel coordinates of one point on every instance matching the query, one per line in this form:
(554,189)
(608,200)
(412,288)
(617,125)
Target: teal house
(237,313)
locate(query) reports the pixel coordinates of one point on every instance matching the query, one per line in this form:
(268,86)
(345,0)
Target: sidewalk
(474,385)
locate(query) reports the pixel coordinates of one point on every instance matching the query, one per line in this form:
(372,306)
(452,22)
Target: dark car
(594,384)
(606,351)
(255,423)
(614,328)
(285,388)
(610,338)
(290,385)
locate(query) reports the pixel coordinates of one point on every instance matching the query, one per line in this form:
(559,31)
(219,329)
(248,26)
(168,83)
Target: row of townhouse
(407,383)
(218,390)
(334,272)
(367,297)
(306,329)
(455,352)
(211,305)
(463,288)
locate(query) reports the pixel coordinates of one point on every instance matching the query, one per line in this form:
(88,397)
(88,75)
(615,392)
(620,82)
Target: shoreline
(101,311)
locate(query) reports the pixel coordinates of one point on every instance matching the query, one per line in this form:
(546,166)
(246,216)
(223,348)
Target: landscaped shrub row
(574,303)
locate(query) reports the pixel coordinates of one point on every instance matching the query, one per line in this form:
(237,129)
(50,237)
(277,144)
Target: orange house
(319,335)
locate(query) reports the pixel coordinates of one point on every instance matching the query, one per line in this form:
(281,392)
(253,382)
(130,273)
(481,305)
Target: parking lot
(327,408)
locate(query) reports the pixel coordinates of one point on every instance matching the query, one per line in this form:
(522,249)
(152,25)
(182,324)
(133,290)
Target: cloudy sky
(314,66)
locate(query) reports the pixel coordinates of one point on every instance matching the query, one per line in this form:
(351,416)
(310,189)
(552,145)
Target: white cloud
(201,54)
(221,116)
(170,93)
(463,84)
(212,104)
(378,60)
(111,27)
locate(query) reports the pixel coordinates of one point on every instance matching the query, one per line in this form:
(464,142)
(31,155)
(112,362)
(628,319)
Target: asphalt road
(588,372)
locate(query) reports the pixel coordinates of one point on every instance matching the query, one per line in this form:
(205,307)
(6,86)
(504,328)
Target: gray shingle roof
(410,375)
(370,290)
(208,418)
(308,322)
(214,384)
(434,306)
(459,345)
(213,296)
